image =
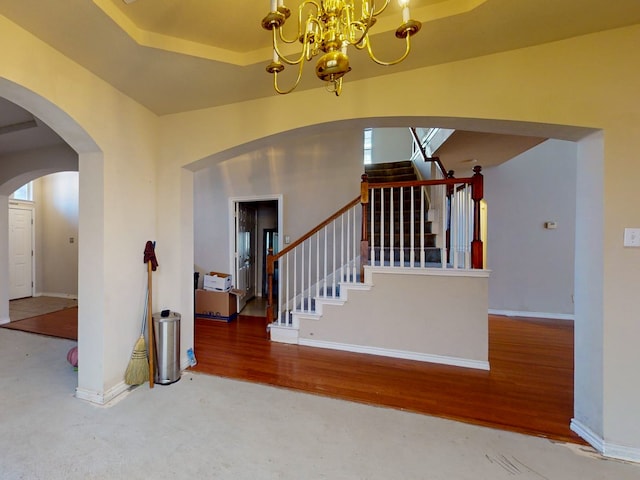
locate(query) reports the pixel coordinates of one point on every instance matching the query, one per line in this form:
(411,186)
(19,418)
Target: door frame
(26,205)
(232,226)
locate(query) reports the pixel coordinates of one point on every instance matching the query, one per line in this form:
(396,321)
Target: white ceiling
(180,55)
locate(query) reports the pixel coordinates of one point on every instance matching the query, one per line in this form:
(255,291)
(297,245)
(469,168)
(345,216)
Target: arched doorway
(73,150)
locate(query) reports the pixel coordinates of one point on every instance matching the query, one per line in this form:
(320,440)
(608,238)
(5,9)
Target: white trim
(104,397)
(31,206)
(407,355)
(437,272)
(282,334)
(232,227)
(607,449)
(515,313)
(56,295)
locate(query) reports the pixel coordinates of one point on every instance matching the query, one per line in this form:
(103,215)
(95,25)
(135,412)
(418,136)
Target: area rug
(61,324)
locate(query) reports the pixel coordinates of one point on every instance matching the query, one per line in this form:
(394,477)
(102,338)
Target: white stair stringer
(290,334)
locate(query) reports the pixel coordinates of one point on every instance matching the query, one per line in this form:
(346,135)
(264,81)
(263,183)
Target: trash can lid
(173,316)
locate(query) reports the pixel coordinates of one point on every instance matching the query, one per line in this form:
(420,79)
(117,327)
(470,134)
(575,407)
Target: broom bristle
(138,369)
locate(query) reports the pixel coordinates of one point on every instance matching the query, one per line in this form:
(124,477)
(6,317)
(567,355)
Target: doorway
(20,250)
(252,217)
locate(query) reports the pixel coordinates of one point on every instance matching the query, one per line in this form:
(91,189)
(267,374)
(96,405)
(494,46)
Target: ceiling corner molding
(169,43)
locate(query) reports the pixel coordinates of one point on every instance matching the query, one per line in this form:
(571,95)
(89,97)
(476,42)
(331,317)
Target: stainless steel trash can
(167,352)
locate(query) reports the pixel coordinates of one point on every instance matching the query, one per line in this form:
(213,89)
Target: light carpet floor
(205,427)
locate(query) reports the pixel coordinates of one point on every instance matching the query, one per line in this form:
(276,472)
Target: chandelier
(327,28)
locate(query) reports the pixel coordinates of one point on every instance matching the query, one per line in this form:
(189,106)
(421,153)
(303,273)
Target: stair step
(396,177)
(432,255)
(429,241)
(388,165)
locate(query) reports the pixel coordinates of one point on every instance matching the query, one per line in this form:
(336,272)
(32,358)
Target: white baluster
(317,264)
(372,238)
(443,229)
(308,309)
(333,268)
(295,277)
(382,226)
(401,201)
(392,255)
(355,246)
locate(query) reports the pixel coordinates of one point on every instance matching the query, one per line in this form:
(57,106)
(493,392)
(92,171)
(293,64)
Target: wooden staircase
(390,235)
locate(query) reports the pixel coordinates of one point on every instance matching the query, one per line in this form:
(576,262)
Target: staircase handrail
(273,258)
(476,183)
(425,157)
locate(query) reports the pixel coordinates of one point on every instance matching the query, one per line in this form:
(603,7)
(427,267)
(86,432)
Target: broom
(138,369)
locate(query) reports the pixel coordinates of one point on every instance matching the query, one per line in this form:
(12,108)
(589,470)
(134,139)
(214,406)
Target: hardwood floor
(62,323)
(529,388)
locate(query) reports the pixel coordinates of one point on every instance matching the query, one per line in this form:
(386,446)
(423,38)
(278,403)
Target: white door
(245,252)
(20,253)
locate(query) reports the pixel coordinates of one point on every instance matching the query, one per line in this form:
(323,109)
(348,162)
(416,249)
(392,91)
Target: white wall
(532,267)
(316,174)
(589,386)
(390,145)
(4,259)
(56,201)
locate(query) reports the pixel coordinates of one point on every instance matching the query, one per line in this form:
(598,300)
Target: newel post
(477,193)
(364,242)
(270,271)
(450,190)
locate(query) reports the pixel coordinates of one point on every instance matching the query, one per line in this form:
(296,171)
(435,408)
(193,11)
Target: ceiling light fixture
(328,27)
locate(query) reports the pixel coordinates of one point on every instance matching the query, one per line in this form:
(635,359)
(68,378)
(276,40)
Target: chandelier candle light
(327,28)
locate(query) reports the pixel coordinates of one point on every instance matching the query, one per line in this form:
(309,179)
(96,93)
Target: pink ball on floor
(72,356)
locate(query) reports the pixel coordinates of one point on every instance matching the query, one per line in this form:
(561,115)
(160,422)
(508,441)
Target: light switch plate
(632,237)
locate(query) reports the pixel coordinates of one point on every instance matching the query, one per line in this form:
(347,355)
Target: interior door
(246,227)
(20,253)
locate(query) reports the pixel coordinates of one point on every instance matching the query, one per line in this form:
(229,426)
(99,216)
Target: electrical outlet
(632,237)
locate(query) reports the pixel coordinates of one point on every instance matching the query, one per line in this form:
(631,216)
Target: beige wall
(388,318)
(56,214)
(532,268)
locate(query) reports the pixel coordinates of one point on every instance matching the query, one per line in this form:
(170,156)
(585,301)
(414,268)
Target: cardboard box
(216,281)
(221,306)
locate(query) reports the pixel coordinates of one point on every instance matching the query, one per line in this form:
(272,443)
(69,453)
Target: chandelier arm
(382,9)
(394,62)
(359,44)
(358,25)
(284,92)
(282,57)
(284,39)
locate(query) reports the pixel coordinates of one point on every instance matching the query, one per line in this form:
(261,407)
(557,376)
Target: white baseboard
(283,334)
(56,295)
(4,320)
(607,449)
(516,313)
(102,398)
(387,352)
